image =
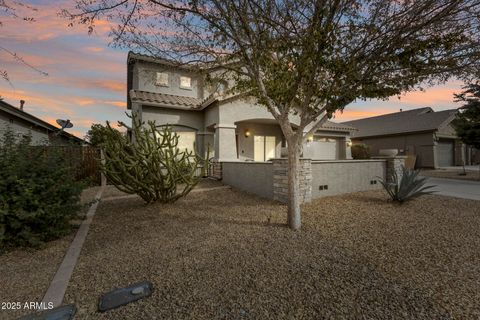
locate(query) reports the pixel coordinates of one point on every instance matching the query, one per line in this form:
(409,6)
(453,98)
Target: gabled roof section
(416,120)
(37,122)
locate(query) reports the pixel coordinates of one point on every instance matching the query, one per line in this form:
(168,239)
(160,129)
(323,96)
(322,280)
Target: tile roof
(329,125)
(416,120)
(167,99)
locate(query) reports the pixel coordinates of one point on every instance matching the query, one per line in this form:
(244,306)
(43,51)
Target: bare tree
(302,58)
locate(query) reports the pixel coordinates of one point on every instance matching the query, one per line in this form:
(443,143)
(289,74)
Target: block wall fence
(317,178)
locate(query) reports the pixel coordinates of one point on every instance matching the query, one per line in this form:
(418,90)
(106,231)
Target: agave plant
(406,187)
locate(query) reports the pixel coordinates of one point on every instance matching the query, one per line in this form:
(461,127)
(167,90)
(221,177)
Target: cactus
(149,163)
(407,186)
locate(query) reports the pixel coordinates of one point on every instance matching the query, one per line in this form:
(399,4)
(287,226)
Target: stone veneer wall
(394,164)
(280,180)
(215,170)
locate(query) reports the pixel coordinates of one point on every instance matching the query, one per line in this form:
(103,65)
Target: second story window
(185,82)
(162,79)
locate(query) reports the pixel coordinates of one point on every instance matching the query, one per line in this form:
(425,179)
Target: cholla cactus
(149,164)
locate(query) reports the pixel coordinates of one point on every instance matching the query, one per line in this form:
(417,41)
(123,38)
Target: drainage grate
(123,296)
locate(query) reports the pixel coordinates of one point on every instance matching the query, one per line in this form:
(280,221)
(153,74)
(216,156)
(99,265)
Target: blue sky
(86,80)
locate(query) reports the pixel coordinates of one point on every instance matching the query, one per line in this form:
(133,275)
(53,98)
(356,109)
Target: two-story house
(236,128)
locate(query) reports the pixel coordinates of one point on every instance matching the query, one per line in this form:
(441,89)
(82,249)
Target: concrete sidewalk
(456,188)
(460,168)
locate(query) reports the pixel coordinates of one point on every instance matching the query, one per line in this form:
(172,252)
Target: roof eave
(394,134)
(165,105)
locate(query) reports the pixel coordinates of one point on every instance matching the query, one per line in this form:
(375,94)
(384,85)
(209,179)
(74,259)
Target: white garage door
(445,152)
(320,150)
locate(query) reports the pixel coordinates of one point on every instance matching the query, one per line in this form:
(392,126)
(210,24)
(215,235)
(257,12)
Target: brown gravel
(111,191)
(451,174)
(25,273)
(225,254)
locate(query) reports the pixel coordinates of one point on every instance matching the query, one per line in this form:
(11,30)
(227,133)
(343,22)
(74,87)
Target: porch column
(348,149)
(225,142)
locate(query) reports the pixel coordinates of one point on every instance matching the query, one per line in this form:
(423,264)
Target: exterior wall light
(247,133)
(310,138)
(349,143)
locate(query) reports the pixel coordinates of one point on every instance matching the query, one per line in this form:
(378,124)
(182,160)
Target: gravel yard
(451,174)
(25,273)
(225,254)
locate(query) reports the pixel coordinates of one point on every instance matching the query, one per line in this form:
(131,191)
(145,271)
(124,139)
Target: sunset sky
(86,80)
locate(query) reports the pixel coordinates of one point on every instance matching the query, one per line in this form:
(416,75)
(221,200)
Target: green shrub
(38,193)
(360,151)
(407,187)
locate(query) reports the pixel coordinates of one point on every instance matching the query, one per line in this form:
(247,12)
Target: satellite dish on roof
(64,123)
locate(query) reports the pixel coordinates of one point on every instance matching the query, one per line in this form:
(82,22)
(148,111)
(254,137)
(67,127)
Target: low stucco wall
(344,176)
(253,177)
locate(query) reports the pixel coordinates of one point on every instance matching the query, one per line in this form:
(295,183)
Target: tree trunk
(294,215)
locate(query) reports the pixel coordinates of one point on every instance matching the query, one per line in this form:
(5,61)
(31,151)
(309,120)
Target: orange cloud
(36,103)
(120,104)
(353,114)
(84,101)
(437,96)
(94,49)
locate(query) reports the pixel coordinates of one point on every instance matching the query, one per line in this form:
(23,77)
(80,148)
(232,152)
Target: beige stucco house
(422,132)
(236,128)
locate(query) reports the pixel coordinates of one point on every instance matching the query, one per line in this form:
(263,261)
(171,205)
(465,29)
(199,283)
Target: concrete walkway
(456,188)
(59,284)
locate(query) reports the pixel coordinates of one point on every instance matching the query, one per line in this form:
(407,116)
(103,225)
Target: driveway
(467,168)
(456,188)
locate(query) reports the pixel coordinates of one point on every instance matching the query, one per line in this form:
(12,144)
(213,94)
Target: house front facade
(235,128)
(424,133)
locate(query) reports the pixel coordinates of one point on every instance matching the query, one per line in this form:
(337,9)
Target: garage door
(445,152)
(320,150)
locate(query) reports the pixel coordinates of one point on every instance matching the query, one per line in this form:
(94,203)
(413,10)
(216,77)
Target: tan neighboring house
(422,132)
(23,123)
(236,128)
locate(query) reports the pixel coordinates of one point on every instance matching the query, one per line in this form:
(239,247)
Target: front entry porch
(261,140)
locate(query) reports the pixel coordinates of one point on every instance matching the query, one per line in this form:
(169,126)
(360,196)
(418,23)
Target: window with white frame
(162,79)
(185,82)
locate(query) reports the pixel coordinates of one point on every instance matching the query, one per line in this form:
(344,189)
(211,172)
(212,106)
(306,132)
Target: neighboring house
(235,127)
(422,132)
(24,123)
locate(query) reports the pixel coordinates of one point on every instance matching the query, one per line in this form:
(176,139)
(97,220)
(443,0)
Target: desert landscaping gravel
(225,254)
(25,273)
